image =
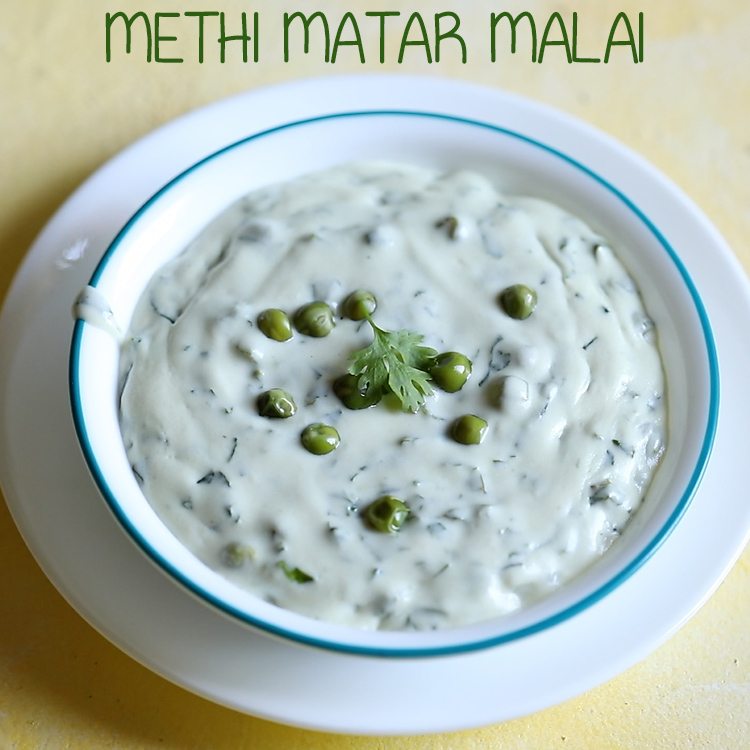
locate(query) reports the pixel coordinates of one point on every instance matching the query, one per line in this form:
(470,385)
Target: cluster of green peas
(314,319)
(449,371)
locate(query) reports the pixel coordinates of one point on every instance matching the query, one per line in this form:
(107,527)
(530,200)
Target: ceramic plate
(99,570)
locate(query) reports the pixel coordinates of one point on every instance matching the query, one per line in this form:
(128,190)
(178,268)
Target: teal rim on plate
(653,544)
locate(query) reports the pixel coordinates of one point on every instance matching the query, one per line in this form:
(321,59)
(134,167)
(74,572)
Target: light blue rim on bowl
(409,652)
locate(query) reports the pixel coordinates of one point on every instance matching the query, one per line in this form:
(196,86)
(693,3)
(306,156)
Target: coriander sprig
(395,361)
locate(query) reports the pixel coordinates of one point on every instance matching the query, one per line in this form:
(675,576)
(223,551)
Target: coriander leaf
(370,364)
(407,343)
(395,360)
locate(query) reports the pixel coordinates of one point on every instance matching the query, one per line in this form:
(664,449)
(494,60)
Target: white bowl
(519,164)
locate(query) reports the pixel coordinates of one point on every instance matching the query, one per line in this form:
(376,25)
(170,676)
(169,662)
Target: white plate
(82,549)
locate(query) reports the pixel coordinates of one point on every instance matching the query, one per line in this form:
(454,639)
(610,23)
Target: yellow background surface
(64,111)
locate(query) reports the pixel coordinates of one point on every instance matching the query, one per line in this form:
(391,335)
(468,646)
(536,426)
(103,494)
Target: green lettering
(382,14)
(547,42)
(200,15)
(575,45)
(356,42)
(422,42)
(641,37)
(244,37)
(629,42)
(495,19)
(159,38)
(109,20)
(306,24)
(452,33)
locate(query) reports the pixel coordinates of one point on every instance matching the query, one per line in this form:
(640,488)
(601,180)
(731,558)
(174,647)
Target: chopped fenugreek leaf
(294,574)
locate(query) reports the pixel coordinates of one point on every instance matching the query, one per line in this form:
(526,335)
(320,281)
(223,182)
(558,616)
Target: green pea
(276,404)
(319,438)
(518,301)
(351,396)
(359,305)
(450,371)
(386,514)
(469,429)
(234,555)
(314,319)
(275,324)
